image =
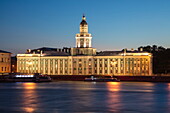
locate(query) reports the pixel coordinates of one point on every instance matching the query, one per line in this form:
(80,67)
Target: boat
(36,77)
(101,79)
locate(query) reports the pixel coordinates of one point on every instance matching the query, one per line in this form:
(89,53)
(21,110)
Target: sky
(114,24)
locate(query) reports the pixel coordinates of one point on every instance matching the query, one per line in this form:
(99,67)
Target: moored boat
(101,79)
(37,77)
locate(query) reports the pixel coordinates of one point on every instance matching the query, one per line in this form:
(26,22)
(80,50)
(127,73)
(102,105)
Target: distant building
(161,59)
(5,62)
(161,62)
(83,59)
(13,64)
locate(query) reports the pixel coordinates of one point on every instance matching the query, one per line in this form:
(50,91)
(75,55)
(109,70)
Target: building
(13,64)
(84,60)
(5,62)
(161,61)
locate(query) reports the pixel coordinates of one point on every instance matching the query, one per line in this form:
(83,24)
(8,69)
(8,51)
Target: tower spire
(83,39)
(84,18)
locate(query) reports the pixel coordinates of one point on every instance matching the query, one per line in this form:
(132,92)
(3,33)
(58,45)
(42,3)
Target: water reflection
(168,97)
(169,87)
(113,86)
(113,96)
(29,97)
(81,97)
(29,85)
(104,97)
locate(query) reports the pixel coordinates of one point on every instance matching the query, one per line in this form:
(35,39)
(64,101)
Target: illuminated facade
(5,62)
(83,60)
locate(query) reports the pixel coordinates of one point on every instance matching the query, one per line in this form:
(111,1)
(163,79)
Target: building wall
(46,65)
(122,65)
(85,65)
(5,63)
(83,60)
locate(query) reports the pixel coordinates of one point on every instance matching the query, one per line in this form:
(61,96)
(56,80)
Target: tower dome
(83,22)
(83,39)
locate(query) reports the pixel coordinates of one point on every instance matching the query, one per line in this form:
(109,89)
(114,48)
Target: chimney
(132,49)
(141,49)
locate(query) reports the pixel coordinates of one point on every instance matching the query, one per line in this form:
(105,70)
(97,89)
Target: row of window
(4,60)
(121,59)
(122,72)
(4,69)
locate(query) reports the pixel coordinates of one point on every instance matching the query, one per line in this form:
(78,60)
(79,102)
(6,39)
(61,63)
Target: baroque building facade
(5,62)
(84,60)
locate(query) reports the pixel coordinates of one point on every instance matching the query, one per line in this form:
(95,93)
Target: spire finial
(83,18)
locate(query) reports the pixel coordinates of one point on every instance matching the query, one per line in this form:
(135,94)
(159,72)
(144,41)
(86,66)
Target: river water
(91,97)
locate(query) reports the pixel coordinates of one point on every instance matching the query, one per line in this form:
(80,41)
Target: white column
(43,68)
(58,66)
(89,42)
(54,66)
(63,66)
(92,65)
(84,42)
(103,69)
(48,66)
(119,66)
(97,66)
(108,66)
(83,66)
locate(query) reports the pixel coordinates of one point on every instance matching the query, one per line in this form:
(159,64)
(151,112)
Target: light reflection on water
(54,97)
(168,96)
(113,97)
(29,97)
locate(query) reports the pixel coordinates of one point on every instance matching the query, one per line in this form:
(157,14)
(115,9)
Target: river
(79,96)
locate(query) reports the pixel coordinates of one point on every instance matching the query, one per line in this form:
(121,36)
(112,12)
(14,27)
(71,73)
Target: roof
(1,51)
(83,22)
(113,53)
(47,51)
(56,54)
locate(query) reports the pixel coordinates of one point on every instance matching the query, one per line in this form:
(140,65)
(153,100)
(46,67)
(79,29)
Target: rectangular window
(111,71)
(61,71)
(100,71)
(105,71)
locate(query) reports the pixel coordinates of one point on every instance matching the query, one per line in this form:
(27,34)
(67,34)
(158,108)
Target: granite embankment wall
(121,78)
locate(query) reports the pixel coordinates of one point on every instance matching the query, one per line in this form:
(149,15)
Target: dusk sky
(114,24)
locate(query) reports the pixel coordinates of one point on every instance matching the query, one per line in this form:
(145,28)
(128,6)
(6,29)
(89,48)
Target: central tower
(83,39)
